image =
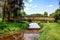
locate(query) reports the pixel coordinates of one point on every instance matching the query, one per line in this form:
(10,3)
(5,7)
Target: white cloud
(50,5)
(30,0)
(28,5)
(26,9)
(35,6)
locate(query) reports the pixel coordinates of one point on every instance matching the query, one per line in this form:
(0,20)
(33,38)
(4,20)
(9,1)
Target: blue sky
(40,6)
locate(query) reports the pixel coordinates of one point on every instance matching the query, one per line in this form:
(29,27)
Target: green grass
(50,31)
(5,27)
(0,19)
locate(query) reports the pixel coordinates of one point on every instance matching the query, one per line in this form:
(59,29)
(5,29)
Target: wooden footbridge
(33,18)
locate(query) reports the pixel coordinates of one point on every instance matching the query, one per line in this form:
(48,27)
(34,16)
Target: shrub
(58,21)
(6,27)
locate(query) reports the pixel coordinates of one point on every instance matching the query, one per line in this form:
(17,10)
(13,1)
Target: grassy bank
(5,27)
(50,31)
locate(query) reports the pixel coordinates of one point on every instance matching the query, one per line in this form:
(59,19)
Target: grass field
(0,19)
(50,31)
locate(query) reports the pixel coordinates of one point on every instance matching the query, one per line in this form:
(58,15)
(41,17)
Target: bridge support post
(47,21)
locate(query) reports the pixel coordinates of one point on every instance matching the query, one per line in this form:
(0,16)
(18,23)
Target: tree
(57,11)
(37,14)
(12,6)
(21,13)
(52,15)
(56,15)
(45,14)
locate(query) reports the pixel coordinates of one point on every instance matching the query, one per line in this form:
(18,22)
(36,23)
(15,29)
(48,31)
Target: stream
(32,36)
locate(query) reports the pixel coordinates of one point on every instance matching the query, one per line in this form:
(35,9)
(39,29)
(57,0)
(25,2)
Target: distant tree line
(39,14)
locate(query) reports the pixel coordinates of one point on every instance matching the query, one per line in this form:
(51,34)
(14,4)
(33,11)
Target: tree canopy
(56,15)
(45,14)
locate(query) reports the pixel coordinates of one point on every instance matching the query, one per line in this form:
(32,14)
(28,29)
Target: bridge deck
(33,18)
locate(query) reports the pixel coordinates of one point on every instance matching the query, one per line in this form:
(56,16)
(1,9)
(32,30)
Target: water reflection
(30,36)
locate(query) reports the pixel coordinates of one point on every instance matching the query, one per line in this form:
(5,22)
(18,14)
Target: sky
(40,6)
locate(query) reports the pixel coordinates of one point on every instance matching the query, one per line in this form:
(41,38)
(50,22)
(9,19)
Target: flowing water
(32,36)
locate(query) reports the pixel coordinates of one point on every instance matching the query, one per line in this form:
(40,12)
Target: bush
(58,21)
(40,24)
(6,27)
